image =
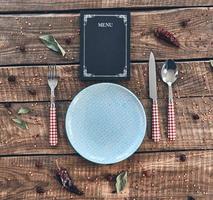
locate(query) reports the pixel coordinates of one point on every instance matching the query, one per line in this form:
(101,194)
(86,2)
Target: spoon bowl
(169,72)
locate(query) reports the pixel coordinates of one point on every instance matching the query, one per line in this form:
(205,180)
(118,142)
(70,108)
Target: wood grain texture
(150,176)
(191,133)
(195,80)
(20,44)
(52,5)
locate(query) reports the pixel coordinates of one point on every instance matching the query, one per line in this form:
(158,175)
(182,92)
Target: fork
(52,82)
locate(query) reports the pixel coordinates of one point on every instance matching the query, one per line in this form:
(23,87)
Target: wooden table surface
(177,170)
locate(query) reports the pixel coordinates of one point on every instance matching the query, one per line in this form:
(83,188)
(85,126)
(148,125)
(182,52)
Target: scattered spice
(182,157)
(40,189)
(7,105)
(195,116)
(190,198)
(121,181)
(166,36)
(185,23)
(38,164)
(11,78)
(65,180)
(22,48)
(31,91)
(68,40)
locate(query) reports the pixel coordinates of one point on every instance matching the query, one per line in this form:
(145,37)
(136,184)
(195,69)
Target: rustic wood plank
(195,79)
(191,133)
(150,175)
(19,42)
(53,5)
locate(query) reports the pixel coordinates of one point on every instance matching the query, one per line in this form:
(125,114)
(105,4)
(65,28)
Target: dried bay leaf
(20,123)
(23,110)
(52,44)
(121,181)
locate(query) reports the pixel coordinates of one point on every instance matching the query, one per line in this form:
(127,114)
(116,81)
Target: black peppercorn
(184,23)
(110,177)
(11,78)
(40,189)
(190,198)
(147,173)
(7,105)
(182,157)
(22,48)
(38,164)
(68,40)
(195,116)
(31,91)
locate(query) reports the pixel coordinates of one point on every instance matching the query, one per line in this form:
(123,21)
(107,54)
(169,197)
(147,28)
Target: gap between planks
(137,152)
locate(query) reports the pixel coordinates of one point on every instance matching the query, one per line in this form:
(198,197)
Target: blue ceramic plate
(105,123)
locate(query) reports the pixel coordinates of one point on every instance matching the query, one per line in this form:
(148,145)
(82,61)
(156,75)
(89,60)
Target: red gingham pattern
(171,122)
(155,122)
(53,137)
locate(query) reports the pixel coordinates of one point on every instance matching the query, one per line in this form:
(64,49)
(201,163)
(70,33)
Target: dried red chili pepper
(65,180)
(166,36)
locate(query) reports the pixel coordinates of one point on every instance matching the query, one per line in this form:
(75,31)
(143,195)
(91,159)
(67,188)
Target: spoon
(169,73)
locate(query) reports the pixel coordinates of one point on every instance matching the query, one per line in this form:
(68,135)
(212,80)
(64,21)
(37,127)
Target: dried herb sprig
(119,180)
(166,36)
(52,44)
(63,177)
(20,123)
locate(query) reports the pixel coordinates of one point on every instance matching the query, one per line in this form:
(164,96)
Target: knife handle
(171,121)
(155,122)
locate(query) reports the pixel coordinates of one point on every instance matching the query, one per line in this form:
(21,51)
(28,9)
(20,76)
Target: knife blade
(153,96)
(152,77)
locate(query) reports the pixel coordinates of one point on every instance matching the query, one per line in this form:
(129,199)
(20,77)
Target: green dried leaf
(20,123)
(23,110)
(121,181)
(211,63)
(52,44)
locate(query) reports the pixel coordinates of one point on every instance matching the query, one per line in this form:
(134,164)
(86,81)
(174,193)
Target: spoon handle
(155,122)
(171,120)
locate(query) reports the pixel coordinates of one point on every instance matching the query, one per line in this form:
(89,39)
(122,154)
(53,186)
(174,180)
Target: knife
(153,96)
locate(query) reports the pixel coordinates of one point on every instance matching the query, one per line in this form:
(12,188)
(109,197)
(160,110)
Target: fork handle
(53,136)
(155,122)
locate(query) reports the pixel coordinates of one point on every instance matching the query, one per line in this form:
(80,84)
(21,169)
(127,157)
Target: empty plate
(105,123)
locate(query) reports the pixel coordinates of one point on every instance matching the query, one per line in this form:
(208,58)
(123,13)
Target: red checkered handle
(53,137)
(155,122)
(171,121)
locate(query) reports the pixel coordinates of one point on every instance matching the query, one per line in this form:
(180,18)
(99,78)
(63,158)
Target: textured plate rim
(141,107)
